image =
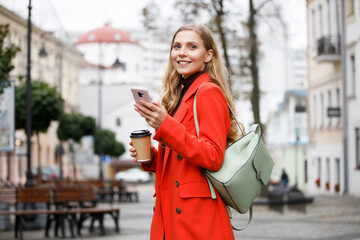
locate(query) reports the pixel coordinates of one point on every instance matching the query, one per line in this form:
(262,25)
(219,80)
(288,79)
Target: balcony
(328,49)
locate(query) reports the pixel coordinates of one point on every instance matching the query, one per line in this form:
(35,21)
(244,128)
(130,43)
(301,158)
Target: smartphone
(141,94)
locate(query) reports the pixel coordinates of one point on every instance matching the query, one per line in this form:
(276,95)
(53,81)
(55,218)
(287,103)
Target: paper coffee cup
(141,140)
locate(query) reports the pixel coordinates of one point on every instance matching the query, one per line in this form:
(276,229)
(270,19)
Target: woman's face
(188,54)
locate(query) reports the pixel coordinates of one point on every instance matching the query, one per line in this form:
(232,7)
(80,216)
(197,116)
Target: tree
(46,106)
(109,144)
(220,16)
(192,9)
(7,53)
(74,126)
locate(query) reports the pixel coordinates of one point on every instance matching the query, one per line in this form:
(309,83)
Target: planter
(337,187)
(317,181)
(327,185)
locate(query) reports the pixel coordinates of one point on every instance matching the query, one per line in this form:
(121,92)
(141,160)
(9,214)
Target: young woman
(184,208)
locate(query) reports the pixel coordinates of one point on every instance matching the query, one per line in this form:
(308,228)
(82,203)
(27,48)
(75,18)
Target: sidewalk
(327,218)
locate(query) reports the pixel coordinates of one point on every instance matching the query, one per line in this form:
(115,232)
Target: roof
(106,34)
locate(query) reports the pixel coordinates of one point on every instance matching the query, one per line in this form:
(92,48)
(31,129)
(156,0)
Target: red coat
(184,208)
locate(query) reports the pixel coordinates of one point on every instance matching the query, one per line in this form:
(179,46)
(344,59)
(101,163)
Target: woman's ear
(209,56)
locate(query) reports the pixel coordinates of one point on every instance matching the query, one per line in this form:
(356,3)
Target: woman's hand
(154,113)
(132,151)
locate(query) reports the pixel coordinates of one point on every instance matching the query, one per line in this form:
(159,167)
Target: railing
(329,45)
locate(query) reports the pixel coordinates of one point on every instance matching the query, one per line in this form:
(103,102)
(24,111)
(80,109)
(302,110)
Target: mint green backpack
(246,169)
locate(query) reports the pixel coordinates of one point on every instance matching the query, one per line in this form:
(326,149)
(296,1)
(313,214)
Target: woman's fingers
(154,113)
(132,151)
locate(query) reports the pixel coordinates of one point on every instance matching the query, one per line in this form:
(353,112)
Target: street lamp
(29,181)
(297,157)
(100,110)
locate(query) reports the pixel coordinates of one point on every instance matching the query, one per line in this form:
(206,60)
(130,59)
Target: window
(329,16)
(313,26)
(314,112)
(118,122)
(338,102)
(318,179)
(327,183)
(322,110)
(337,97)
(357,147)
(306,171)
(329,98)
(329,105)
(321,27)
(337,175)
(352,79)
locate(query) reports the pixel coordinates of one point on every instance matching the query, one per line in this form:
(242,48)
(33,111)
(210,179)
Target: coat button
(178,210)
(153,208)
(176,183)
(161,139)
(179,157)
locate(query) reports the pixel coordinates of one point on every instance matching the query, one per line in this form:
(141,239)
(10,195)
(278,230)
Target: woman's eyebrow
(192,43)
(186,43)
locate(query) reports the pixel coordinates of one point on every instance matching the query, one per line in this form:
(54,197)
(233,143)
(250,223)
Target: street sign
(333,111)
(7,118)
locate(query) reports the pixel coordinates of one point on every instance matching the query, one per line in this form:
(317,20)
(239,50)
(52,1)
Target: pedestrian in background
(284,178)
(184,208)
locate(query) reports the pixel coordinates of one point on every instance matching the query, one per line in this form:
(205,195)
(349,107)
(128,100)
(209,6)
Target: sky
(84,15)
(80,15)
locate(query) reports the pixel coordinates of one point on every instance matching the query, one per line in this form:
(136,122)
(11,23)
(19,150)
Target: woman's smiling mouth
(183,63)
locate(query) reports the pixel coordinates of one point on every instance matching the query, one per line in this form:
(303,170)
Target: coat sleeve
(214,124)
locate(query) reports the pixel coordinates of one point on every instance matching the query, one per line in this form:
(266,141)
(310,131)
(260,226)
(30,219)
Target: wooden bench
(23,200)
(86,207)
(103,190)
(123,193)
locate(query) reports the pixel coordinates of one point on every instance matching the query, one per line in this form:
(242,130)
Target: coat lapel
(194,87)
(183,109)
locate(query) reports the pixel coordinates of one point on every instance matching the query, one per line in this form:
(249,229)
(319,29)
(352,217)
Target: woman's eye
(192,47)
(176,46)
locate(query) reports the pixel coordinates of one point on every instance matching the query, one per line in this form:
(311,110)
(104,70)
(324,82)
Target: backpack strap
(249,220)
(212,190)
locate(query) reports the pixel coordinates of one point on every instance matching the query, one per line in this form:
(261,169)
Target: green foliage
(109,145)
(46,106)
(75,126)
(7,53)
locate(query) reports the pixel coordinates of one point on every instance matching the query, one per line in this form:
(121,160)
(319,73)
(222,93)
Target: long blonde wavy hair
(216,70)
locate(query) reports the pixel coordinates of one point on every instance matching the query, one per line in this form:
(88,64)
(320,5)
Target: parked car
(133,175)
(48,172)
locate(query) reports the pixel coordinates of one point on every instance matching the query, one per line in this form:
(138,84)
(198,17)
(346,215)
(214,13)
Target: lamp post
(100,112)
(29,181)
(297,157)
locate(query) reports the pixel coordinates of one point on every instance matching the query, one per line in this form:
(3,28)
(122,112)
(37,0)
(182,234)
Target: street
(327,218)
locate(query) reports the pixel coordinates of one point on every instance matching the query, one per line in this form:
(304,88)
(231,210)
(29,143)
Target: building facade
(352,58)
(287,138)
(332,172)
(115,61)
(53,62)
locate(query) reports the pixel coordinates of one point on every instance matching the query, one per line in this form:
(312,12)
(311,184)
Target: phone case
(141,94)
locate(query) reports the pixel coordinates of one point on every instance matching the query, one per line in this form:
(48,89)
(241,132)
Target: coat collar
(181,112)
(196,84)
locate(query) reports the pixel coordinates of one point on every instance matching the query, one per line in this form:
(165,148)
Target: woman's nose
(182,51)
